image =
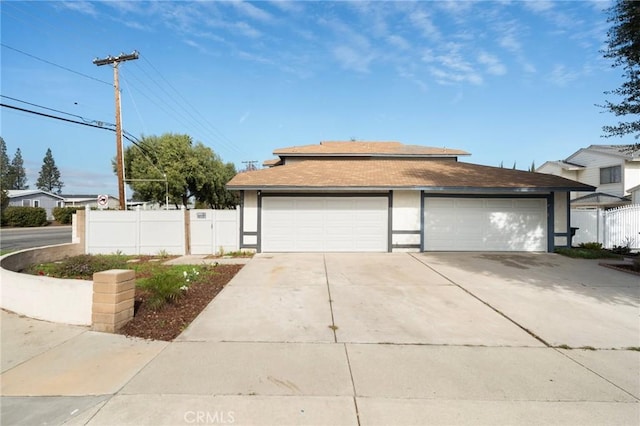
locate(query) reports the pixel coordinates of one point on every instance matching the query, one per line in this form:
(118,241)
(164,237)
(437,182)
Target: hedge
(63,215)
(24,216)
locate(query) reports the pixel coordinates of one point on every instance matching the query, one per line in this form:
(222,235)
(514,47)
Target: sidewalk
(254,373)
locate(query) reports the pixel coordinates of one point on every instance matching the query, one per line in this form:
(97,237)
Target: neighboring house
(613,169)
(635,194)
(90,200)
(386,196)
(35,198)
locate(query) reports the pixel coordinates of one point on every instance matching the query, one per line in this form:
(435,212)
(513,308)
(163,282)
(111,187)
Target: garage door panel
(489,224)
(324,224)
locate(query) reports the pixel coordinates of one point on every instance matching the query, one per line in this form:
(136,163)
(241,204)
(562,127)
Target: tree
(4,165)
(16,176)
(193,171)
(49,177)
(623,46)
(533,166)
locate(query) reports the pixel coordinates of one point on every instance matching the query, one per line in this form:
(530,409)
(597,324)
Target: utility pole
(250,165)
(115,61)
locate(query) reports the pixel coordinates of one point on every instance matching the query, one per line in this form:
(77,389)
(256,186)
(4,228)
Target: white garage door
(485,224)
(307,224)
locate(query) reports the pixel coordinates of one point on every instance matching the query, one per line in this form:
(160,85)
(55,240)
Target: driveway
(531,300)
(354,339)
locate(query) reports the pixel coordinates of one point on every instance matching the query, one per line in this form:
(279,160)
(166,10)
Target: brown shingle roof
(424,174)
(367,148)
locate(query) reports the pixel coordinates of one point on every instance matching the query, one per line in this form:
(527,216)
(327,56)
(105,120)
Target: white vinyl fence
(137,232)
(615,227)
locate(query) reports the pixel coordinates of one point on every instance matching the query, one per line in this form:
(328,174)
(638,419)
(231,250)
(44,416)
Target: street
(22,238)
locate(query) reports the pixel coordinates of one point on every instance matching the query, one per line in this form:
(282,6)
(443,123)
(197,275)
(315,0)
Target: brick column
(113,297)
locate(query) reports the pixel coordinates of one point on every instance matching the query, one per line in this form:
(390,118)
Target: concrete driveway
(426,298)
(354,339)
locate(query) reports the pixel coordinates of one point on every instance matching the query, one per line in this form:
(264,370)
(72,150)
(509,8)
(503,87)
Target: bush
(80,267)
(164,287)
(24,216)
(591,246)
(63,215)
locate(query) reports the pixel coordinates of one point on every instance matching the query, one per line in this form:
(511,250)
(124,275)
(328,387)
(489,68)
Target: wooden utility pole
(115,61)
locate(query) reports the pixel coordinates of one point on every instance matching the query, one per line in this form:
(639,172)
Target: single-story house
(387,196)
(35,198)
(90,200)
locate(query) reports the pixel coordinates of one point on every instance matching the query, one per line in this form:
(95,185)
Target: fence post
(187,230)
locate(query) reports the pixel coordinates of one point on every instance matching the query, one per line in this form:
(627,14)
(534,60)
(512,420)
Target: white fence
(615,227)
(168,231)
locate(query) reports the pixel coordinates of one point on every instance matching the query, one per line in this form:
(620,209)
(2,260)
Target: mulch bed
(621,267)
(169,321)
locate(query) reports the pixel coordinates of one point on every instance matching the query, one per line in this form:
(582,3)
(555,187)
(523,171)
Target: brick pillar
(113,297)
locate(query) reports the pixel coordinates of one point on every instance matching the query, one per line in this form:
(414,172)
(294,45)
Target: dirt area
(169,321)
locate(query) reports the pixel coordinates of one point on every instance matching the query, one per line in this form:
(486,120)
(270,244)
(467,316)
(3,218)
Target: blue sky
(507,81)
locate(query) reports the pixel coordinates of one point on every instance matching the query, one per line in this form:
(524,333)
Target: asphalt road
(22,238)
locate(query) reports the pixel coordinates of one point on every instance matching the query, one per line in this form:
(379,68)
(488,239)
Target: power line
(55,65)
(57,118)
(86,120)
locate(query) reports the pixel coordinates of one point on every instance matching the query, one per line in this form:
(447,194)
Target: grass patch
(633,348)
(586,253)
(3,252)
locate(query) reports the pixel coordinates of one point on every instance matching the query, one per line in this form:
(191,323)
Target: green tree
(4,165)
(4,173)
(533,166)
(193,171)
(49,177)
(623,46)
(16,176)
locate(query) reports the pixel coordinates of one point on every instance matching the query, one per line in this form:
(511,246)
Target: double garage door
(485,224)
(361,224)
(338,224)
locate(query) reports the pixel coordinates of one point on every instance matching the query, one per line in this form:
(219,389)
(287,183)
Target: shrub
(24,216)
(591,246)
(63,215)
(164,287)
(80,267)
(636,264)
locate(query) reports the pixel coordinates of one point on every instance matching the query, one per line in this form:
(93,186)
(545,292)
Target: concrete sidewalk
(309,339)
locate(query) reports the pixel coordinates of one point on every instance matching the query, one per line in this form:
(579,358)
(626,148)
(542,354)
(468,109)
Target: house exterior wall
(635,195)
(249,220)
(45,201)
(593,162)
(631,176)
(406,220)
(561,215)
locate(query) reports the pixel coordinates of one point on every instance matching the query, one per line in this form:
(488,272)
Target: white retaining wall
(51,299)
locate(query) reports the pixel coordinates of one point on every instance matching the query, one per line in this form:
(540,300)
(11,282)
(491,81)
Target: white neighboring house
(613,169)
(90,200)
(35,198)
(611,215)
(635,194)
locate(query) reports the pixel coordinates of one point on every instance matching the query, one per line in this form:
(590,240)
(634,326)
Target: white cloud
(422,21)
(244,117)
(252,11)
(353,59)
(561,76)
(538,5)
(80,6)
(492,64)
(399,42)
